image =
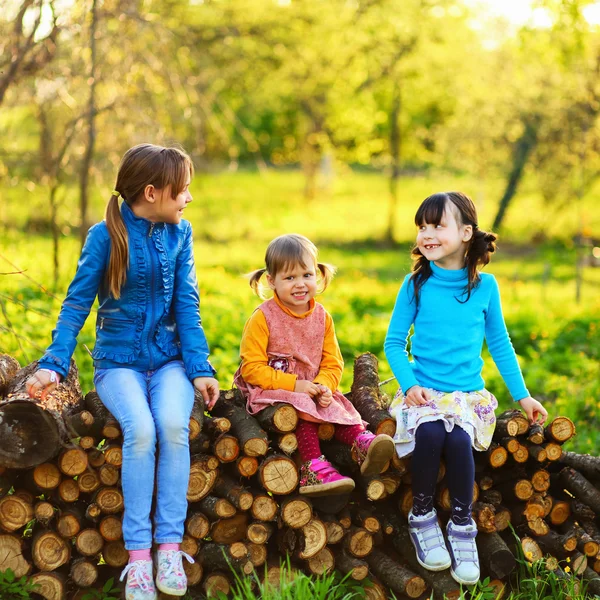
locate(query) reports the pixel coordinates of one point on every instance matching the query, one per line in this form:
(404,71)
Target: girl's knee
(141,436)
(458,439)
(433,433)
(173,431)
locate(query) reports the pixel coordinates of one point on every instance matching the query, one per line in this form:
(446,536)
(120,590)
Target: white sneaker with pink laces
(170,576)
(140,583)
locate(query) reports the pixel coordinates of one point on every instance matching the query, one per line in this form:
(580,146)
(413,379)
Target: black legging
(430,440)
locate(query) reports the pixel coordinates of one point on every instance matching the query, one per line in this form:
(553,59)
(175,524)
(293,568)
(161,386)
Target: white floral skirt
(472,411)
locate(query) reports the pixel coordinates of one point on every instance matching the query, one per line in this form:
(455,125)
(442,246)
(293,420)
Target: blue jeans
(151,406)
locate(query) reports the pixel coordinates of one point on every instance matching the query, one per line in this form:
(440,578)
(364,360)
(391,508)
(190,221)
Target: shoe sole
(328,489)
(379,453)
(171,592)
(462,581)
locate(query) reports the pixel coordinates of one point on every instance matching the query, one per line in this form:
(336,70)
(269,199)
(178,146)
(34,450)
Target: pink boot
(318,477)
(373,452)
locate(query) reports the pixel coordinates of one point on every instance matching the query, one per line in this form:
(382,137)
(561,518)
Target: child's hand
(44,381)
(303,386)
(209,388)
(416,396)
(535,412)
(325,396)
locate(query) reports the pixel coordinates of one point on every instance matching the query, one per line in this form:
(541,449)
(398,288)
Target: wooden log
(296,511)
(495,555)
(68,490)
(115,554)
(190,545)
(521,489)
(373,486)
(252,438)
(358,542)
(51,586)
(517,416)
(502,518)
(11,555)
(113,454)
(592,581)
(560,430)
(278,418)
(193,572)
(278,474)
(227,448)
(335,530)
(9,367)
(587,465)
(109,475)
(224,556)
(521,455)
(312,538)
(560,512)
(510,443)
(43,512)
(202,480)
(397,577)
(228,531)
(264,507)
(196,416)
(553,451)
(287,443)
(216,508)
(322,563)
(258,554)
(583,490)
(93,512)
(72,462)
(535,435)
(540,480)
(83,572)
(531,549)
(215,426)
(556,544)
(247,466)
(496,455)
(49,551)
(538,453)
(69,522)
(239,496)
(259,532)
(484,515)
(96,458)
(46,477)
(80,424)
(110,528)
(89,542)
(355,568)
(201,444)
(366,518)
(365,395)
(110,500)
(197,525)
(89,481)
(375,590)
(216,583)
(105,424)
(33,429)
(15,513)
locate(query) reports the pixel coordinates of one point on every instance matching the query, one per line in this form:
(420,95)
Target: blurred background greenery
(329,118)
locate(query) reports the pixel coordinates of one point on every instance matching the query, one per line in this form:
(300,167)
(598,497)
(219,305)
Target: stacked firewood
(61,502)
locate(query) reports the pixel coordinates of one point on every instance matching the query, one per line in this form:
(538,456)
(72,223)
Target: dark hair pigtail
(482,245)
(254,281)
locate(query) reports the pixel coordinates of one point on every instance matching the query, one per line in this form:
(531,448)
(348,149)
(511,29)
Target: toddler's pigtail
(327,274)
(254,281)
(483,244)
(116,274)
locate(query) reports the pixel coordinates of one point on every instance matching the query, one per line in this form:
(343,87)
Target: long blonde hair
(142,165)
(288,251)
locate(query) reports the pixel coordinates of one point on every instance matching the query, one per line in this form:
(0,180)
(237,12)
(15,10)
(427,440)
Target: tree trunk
(395,139)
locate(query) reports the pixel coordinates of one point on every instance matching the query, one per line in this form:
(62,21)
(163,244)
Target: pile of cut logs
(61,501)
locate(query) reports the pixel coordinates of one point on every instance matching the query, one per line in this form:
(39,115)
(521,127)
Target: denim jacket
(157,317)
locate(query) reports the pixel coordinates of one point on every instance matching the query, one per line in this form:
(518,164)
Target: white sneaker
(428,540)
(463,551)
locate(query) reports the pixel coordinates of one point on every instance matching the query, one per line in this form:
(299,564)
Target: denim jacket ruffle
(165,312)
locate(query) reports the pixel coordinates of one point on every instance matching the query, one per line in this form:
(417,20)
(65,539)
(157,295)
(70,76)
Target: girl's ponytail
(254,281)
(327,273)
(483,244)
(116,274)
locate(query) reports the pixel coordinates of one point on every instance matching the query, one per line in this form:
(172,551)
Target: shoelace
(464,545)
(431,542)
(175,563)
(137,568)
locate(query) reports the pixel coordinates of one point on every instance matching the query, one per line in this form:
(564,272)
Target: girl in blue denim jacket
(150,351)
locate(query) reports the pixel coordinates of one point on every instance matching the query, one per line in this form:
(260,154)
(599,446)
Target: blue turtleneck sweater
(448,335)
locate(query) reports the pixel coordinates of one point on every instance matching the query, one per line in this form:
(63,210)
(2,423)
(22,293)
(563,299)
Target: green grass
(236,214)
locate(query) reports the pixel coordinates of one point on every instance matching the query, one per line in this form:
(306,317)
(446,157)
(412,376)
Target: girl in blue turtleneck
(442,405)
